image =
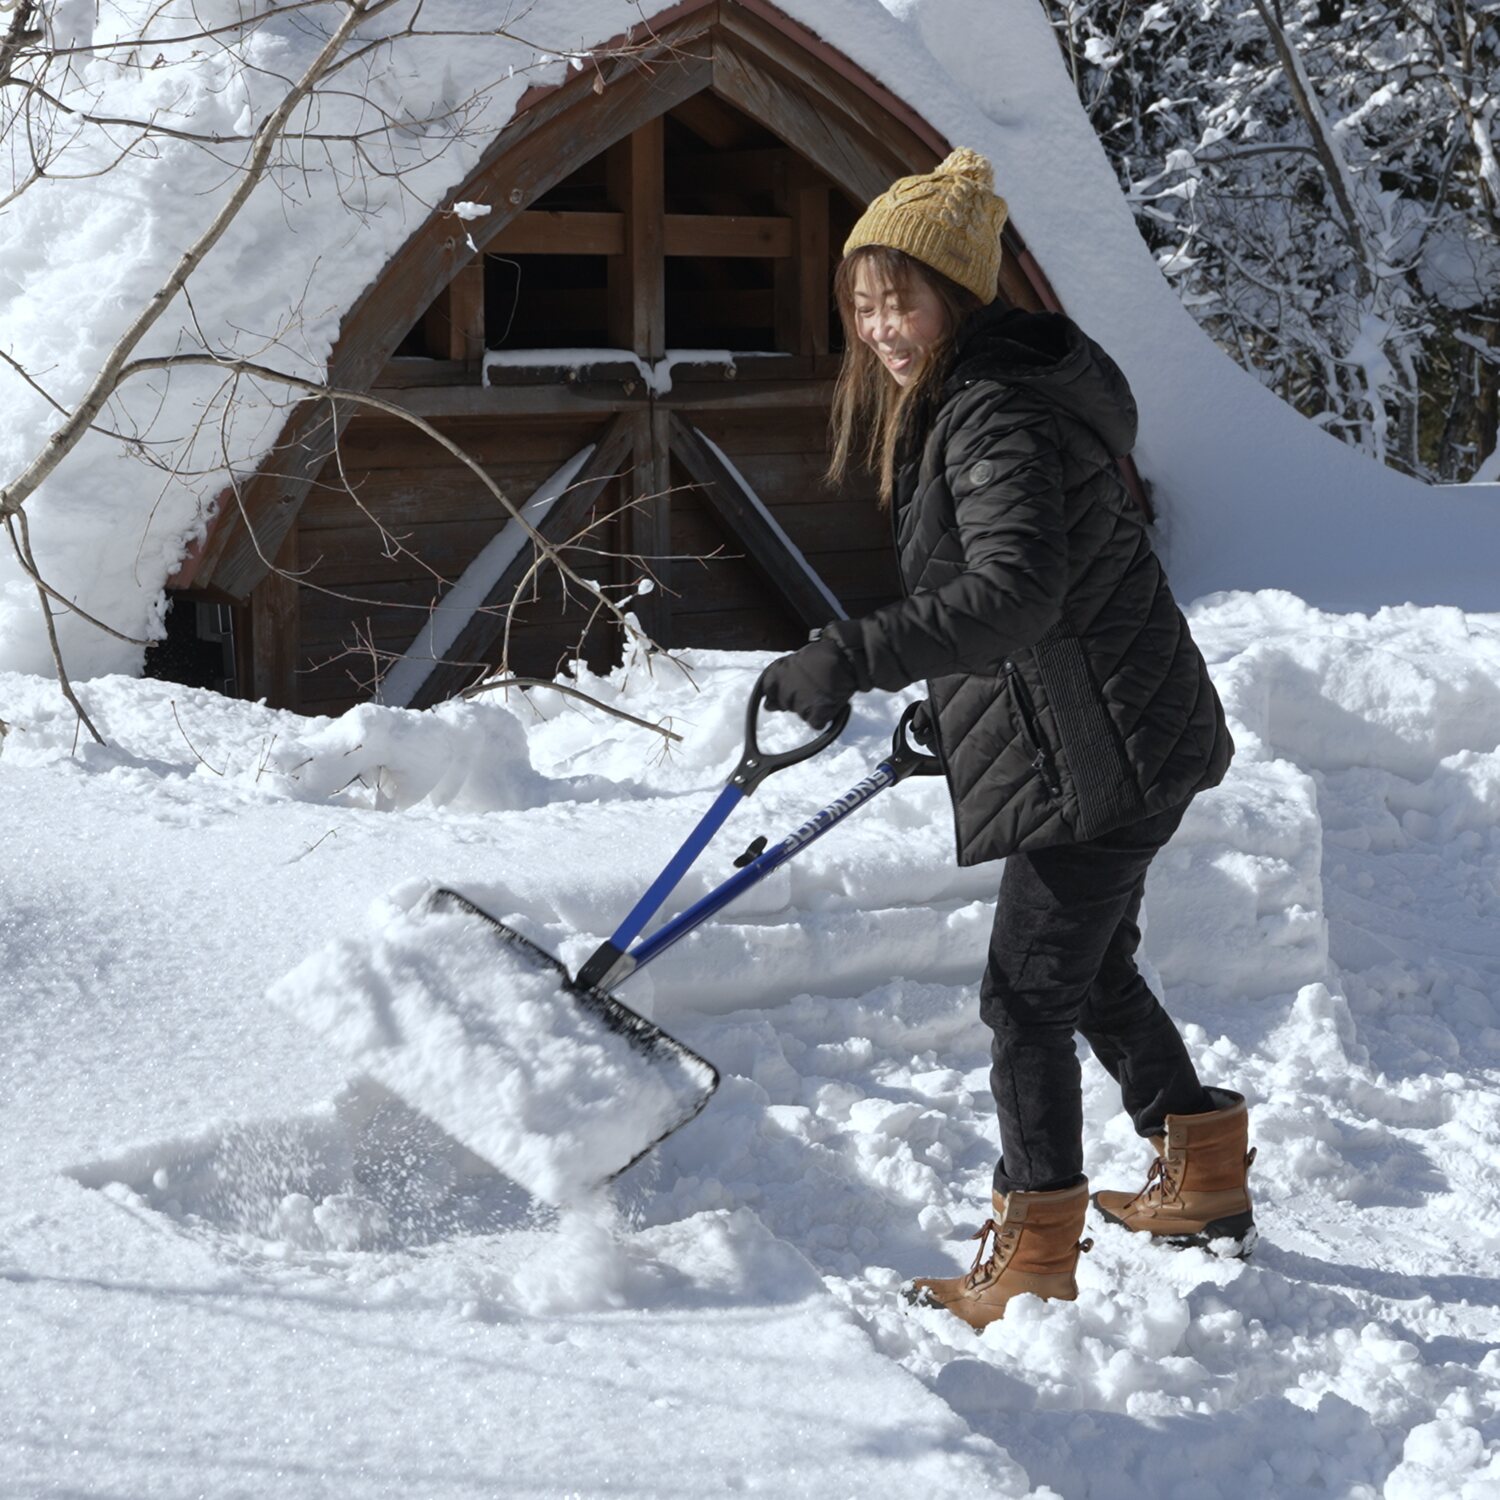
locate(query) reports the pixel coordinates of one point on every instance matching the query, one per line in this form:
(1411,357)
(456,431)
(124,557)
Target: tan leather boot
(1196,1190)
(1036,1245)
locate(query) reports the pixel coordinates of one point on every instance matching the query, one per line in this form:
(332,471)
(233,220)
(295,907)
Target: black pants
(1062,960)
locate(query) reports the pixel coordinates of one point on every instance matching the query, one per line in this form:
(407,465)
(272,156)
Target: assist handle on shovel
(757,764)
(907,757)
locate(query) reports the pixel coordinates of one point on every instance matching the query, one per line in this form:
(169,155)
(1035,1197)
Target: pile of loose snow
(483,1037)
(457,757)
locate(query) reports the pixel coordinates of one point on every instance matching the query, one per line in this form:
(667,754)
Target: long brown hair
(871,413)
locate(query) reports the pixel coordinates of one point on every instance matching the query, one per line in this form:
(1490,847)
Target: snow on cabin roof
(1250,494)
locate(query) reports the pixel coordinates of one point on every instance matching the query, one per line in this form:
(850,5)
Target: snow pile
(467,758)
(464,758)
(1243,908)
(1446,1457)
(1399,691)
(482,1036)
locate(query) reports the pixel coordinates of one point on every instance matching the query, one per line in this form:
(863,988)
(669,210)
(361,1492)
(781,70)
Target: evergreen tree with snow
(1319,181)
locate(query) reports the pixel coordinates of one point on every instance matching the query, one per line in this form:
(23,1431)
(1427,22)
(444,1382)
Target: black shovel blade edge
(654,1044)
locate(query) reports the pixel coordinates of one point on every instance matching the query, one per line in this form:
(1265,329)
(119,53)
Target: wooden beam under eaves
(477,641)
(811,123)
(749,521)
(740,235)
(555,232)
(646,523)
(541,231)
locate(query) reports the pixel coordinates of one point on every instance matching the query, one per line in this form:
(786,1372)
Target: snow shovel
(549,1076)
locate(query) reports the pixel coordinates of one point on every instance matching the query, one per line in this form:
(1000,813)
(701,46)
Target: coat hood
(1051,354)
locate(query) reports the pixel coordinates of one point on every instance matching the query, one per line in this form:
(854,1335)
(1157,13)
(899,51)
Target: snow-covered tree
(1320,181)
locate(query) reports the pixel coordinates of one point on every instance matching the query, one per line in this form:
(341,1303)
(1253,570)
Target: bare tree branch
(21,541)
(66,437)
(491,684)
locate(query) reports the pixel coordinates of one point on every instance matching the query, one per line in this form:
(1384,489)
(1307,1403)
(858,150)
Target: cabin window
(199,647)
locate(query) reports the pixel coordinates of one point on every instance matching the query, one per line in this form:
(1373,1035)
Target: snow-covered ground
(229,1269)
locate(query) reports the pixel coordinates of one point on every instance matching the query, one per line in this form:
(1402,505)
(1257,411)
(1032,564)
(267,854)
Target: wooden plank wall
(843,535)
(442,517)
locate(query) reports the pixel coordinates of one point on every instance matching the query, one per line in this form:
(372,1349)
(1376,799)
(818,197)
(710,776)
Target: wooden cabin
(641,324)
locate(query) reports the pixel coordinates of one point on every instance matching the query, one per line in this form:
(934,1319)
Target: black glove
(813,683)
(921,727)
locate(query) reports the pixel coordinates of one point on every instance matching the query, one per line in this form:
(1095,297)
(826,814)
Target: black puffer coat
(1068,694)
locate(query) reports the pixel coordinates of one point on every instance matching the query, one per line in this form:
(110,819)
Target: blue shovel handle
(755,765)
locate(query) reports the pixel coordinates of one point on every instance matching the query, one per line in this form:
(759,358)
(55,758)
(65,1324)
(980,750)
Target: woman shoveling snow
(1071,709)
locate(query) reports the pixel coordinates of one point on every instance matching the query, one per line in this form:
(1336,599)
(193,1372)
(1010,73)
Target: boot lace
(987,1255)
(987,1266)
(1161,1186)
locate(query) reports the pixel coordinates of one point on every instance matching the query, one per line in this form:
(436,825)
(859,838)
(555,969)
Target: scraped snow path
(227,1268)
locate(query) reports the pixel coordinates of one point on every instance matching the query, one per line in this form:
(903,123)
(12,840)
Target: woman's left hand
(813,683)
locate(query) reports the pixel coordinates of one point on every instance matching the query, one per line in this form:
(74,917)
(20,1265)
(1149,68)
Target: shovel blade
(472,1024)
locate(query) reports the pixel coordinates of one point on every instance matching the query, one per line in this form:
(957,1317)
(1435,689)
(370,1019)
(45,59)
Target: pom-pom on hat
(949,218)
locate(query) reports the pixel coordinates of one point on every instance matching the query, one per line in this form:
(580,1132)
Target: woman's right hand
(813,683)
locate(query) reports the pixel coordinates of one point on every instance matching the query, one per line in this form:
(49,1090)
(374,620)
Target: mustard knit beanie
(949,219)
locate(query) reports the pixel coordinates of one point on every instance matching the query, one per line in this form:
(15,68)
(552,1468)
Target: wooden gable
(688,196)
